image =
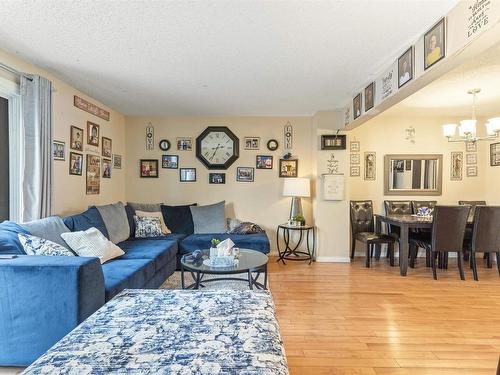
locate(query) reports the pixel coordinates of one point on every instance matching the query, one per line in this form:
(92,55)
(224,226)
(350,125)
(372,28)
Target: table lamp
(296,188)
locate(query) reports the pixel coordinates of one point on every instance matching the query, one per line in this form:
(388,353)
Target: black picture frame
(240,177)
(73,143)
(272,145)
(333,142)
(495,154)
(440,43)
(407,57)
(74,172)
(287,174)
(164,145)
(147,173)
(369,96)
(217,178)
(356,106)
(170,161)
(183,177)
(260,162)
(236,147)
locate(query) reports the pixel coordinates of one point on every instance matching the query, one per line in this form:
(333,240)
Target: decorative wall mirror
(420,174)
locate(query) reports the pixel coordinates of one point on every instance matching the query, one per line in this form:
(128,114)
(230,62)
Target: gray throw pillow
(116,222)
(49,228)
(209,219)
(148,207)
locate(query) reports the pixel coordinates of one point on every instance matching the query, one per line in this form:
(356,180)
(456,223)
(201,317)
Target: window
(10,151)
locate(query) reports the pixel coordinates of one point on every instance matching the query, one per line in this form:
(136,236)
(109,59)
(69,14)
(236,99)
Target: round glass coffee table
(251,262)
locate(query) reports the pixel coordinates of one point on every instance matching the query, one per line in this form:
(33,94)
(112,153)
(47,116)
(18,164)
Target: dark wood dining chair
(448,229)
(485,235)
(468,230)
(363,230)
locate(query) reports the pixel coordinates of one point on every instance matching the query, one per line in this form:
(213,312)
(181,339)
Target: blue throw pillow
(9,241)
(130,217)
(209,219)
(178,218)
(86,220)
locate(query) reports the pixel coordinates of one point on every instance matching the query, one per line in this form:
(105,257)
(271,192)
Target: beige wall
(69,194)
(385,134)
(260,201)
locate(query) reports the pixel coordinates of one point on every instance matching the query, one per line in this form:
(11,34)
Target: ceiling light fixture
(467,128)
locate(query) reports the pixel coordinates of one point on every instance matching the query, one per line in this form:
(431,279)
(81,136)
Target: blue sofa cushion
(9,241)
(120,274)
(258,241)
(85,220)
(178,218)
(161,251)
(130,217)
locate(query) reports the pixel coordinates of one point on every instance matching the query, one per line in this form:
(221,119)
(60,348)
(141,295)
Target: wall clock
(164,145)
(272,145)
(217,147)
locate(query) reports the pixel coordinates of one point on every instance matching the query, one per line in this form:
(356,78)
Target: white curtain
(36,106)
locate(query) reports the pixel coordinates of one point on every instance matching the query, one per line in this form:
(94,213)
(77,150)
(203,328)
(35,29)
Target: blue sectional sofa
(42,298)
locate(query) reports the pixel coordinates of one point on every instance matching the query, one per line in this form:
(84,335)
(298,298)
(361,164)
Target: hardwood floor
(347,319)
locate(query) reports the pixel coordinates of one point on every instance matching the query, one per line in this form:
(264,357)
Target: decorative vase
(213,252)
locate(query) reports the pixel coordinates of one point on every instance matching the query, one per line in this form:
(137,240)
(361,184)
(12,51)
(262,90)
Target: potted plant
(300,219)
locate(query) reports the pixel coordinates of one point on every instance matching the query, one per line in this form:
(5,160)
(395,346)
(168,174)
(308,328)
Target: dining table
(406,222)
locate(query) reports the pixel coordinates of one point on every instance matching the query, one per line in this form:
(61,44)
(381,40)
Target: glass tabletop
(298,227)
(249,259)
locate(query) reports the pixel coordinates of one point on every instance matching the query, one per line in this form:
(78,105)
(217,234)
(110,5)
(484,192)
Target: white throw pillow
(164,228)
(92,243)
(33,245)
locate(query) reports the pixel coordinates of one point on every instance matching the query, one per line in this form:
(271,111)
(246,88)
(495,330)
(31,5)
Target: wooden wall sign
(150,140)
(90,108)
(288,136)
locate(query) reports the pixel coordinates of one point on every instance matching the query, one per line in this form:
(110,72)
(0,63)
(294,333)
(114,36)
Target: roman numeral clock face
(217,147)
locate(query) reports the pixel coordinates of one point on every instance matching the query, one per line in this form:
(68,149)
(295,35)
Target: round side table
(291,252)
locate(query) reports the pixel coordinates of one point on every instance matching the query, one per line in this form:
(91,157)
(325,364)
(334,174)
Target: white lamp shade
(467,127)
(449,130)
(296,187)
(493,125)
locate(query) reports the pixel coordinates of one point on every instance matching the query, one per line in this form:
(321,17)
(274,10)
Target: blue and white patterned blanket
(173,332)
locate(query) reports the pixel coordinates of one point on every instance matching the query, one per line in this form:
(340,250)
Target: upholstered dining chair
(397,208)
(448,229)
(415,205)
(485,235)
(468,231)
(363,230)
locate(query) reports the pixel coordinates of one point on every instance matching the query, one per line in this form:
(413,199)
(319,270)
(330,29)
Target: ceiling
(447,96)
(216,58)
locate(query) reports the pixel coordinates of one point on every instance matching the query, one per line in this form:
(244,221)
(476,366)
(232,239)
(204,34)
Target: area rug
(174,282)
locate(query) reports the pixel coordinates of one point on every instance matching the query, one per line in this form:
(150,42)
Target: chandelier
(467,128)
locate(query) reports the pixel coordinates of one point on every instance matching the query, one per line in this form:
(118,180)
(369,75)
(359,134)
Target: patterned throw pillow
(39,246)
(147,226)
(236,226)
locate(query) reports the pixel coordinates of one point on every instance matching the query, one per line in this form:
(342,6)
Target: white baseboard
(333,260)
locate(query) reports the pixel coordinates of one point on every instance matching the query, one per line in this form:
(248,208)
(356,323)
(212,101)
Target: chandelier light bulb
(467,127)
(449,130)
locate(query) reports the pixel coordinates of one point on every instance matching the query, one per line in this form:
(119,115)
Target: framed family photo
(252,143)
(58,150)
(75,163)
(106,168)
(217,178)
(405,67)
(117,161)
(184,144)
(106,147)
(92,134)
(170,161)
(434,44)
(264,162)
(369,96)
(76,139)
(356,106)
(149,168)
(245,174)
